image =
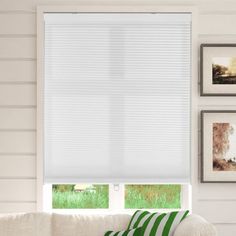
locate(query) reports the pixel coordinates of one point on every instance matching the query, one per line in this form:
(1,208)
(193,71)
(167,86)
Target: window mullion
(185,196)
(116,196)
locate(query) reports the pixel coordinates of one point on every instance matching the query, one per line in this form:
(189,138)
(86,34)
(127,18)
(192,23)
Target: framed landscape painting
(218,69)
(218,146)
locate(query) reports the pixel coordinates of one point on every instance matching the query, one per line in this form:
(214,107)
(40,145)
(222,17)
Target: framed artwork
(218,69)
(218,146)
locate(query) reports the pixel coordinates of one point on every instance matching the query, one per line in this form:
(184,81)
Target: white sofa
(43,224)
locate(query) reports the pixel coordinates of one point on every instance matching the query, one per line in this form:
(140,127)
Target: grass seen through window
(80,196)
(85,196)
(152,196)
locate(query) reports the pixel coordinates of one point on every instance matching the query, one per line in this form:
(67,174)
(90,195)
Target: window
(80,196)
(135,196)
(116,108)
(153,196)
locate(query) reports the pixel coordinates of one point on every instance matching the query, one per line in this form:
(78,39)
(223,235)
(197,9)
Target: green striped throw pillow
(130,232)
(157,224)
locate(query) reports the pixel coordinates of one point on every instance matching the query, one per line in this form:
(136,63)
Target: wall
(216,202)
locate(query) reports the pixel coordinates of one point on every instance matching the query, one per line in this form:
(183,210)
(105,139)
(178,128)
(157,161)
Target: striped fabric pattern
(139,218)
(157,224)
(131,232)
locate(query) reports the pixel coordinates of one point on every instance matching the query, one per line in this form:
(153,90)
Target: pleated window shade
(117,98)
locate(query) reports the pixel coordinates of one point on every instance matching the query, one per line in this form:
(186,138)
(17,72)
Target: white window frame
(116,201)
(44,191)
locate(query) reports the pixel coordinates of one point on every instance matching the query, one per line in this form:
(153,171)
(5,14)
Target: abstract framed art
(218,70)
(218,146)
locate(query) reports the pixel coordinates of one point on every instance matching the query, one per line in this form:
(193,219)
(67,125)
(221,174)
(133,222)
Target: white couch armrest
(195,225)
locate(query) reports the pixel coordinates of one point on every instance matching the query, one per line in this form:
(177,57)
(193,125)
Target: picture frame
(218,70)
(218,146)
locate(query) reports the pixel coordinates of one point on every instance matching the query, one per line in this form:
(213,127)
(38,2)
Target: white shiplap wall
(17,109)
(216,202)
(18,103)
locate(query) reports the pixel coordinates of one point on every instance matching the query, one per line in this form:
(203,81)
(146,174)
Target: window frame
(116,200)
(187,197)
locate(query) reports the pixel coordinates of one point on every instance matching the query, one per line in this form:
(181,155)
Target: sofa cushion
(128,232)
(195,225)
(87,225)
(29,224)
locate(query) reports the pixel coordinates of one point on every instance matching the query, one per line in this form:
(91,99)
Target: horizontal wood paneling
(18,71)
(212,38)
(15,47)
(17,23)
(217,24)
(17,190)
(30,4)
(18,166)
(17,94)
(17,142)
(216,202)
(204,5)
(216,101)
(17,118)
(12,5)
(16,207)
(210,191)
(217,211)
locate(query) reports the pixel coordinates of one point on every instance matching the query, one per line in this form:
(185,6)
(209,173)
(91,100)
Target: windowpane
(80,196)
(152,196)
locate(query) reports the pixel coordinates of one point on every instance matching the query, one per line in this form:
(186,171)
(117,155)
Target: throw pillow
(131,232)
(157,224)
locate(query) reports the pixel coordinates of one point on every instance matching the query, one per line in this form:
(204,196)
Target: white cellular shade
(117,98)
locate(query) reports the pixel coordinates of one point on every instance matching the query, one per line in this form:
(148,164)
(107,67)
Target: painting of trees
(218,145)
(221,145)
(221,132)
(224,70)
(218,70)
